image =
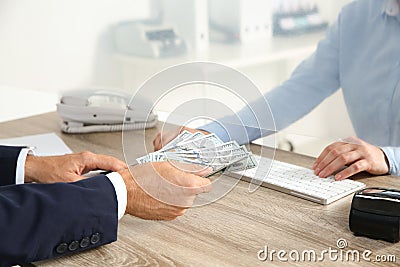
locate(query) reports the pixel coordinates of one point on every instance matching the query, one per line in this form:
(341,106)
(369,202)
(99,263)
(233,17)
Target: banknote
(192,136)
(208,154)
(204,141)
(247,163)
(182,136)
(206,150)
(210,161)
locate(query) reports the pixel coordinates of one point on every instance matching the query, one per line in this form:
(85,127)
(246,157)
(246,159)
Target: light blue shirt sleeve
(393,156)
(353,57)
(313,80)
(246,125)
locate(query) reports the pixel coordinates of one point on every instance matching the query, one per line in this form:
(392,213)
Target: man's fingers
(169,185)
(193,183)
(104,162)
(197,185)
(193,168)
(191,180)
(71,177)
(202,182)
(207,185)
(354,168)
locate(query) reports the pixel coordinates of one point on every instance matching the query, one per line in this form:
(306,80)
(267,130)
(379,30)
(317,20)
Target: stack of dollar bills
(207,150)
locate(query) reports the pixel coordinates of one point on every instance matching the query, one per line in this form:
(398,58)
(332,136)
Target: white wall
(52,45)
(330,9)
(58,44)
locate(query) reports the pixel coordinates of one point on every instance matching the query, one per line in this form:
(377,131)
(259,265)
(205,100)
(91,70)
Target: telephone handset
(96,110)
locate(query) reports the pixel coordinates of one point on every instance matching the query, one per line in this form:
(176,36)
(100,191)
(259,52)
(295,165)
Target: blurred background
(49,46)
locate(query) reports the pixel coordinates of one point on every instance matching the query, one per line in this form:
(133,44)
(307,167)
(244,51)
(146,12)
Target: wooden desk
(228,232)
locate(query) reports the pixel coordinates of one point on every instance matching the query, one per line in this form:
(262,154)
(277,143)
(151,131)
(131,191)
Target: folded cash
(201,141)
(207,150)
(182,136)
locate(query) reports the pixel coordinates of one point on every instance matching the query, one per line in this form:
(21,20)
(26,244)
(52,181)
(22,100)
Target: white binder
(190,18)
(245,21)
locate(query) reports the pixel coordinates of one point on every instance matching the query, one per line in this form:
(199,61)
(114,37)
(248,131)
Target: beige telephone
(96,110)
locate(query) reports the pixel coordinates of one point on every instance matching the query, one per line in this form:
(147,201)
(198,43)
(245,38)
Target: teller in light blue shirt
(361,55)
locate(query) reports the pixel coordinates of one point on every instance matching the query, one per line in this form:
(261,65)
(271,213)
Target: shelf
(237,55)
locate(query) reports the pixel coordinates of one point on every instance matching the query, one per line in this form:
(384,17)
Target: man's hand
(356,154)
(68,168)
(162,138)
(162,191)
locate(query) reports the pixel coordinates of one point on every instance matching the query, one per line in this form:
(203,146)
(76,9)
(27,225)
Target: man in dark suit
(62,213)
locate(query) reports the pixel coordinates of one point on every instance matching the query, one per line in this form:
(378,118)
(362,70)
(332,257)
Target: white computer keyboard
(298,181)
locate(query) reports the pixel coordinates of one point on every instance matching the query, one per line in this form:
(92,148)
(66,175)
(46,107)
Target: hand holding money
(164,138)
(206,150)
(161,191)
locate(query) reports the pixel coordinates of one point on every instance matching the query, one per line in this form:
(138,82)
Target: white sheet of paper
(45,144)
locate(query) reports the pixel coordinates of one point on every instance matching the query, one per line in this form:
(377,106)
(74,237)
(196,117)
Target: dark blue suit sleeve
(8,164)
(41,221)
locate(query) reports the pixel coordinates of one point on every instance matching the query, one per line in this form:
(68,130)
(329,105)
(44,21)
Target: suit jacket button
(85,242)
(62,248)
(95,238)
(73,246)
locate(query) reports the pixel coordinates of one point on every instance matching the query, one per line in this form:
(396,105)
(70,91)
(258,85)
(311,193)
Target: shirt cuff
(120,190)
(393,156)
(20,172)
(231,131)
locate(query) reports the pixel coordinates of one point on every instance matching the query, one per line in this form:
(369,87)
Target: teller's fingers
(354,168)
(325,152)
(330,154)
(157,142)
(339,162)
(155,139)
